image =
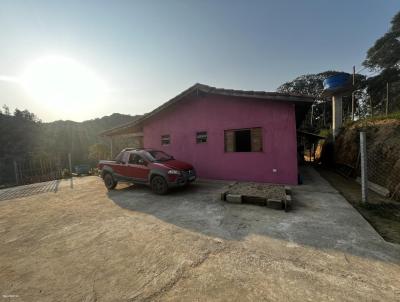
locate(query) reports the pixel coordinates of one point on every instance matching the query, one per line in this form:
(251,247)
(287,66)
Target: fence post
(387,98)
(111,148)
(364,175)
(41,170)
(16,173)
(372,109)
(70,169)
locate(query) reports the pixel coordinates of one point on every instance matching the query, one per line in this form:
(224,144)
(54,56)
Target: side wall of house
(277,163)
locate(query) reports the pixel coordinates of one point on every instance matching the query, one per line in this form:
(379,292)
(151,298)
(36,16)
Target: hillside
(86,131)
(61,137)
(383,151)
(25,140)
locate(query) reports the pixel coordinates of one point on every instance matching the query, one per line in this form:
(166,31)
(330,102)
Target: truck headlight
(174,172)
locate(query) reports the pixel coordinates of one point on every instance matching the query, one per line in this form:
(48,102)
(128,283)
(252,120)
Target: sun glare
(63,83)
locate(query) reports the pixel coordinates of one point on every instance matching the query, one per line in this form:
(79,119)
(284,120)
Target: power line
(361,69)
(373,73)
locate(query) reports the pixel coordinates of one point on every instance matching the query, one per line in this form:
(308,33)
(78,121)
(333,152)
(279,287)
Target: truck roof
(137,149)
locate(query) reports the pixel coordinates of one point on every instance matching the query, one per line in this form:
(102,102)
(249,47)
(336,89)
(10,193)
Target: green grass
(325,132)
(394,115)
(381,117)
(384,210)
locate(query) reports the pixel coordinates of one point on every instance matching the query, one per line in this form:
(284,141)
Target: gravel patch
(262,190)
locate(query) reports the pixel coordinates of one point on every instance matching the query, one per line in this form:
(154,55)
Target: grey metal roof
(201,88)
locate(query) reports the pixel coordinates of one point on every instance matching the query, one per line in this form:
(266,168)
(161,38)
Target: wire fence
(14,172)
(381,166)
(383,100)
(382,169)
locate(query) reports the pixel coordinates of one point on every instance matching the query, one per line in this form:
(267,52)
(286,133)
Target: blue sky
(149,51)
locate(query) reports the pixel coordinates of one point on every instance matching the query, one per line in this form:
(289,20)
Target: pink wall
(215,114)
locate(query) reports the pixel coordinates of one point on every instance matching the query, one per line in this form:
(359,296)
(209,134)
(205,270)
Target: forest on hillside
(24,136)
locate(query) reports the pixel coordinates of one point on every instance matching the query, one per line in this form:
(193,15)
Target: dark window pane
(135,159)
(119,157)
(158,156)
(243,141)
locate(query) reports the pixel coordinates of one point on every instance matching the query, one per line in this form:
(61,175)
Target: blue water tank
(337,82)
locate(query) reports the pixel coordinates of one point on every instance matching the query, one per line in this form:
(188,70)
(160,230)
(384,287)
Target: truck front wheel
(159,185)
(109,181)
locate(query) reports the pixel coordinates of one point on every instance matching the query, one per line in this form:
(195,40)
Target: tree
(312,84)
(384,57)
(18,134)
(377,86)
(308,84)
(98,151)
(385,53)
(26,115)
(6,110)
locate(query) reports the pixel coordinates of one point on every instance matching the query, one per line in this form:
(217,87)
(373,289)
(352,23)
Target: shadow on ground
(321,217)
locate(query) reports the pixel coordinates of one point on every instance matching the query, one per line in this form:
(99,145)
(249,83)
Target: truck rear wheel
(109,181)
(159,185)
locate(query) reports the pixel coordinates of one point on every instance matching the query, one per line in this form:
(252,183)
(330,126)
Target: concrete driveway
(87,244)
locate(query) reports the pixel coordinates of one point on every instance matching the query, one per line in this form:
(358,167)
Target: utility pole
(111,147)
(352,94)
(337,114)
(16,173)
(364,173)
(387,97)
(70,169)
(370,104)
(312,114)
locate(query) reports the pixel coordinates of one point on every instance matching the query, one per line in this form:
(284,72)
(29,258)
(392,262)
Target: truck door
(120,164)
(137,168)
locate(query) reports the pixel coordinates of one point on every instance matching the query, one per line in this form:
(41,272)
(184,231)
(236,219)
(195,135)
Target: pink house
(226,134)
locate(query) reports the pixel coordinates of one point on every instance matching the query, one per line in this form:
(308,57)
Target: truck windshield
(158,156)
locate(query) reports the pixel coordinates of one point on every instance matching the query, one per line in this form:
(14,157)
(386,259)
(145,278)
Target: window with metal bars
(201,137)
(165,139)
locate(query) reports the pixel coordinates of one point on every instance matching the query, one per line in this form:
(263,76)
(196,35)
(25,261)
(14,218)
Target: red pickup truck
(146,166)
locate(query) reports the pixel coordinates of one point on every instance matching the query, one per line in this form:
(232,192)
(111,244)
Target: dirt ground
(87,244)
(382,213)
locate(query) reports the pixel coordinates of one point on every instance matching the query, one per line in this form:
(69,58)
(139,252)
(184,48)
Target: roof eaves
(155,111)
(275,96)
(257,94)
(123,126)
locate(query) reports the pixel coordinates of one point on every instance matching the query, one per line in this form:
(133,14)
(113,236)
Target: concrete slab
(320,217)
(88,244)
(329,221)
